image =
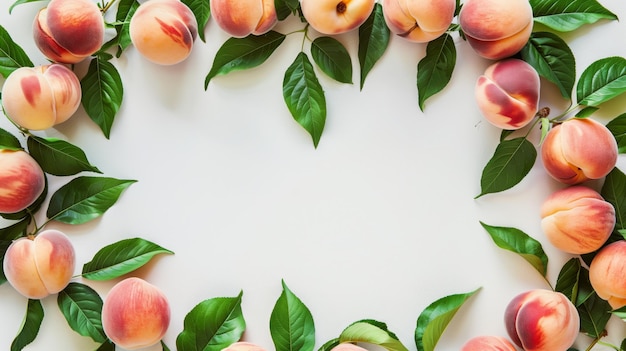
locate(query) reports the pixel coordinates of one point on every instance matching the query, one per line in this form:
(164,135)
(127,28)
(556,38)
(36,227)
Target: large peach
(41,97)
(577,219)
(607,273)
(508,93)
(488,343)
(40,266)
(496,29)
(336,16)
(135,314)
(542,320)
(68,31)
(22,180)
(163,31)
(419,20)
(244,17)
(578,150)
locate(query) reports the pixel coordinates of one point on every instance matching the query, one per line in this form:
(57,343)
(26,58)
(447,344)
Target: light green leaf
(332,58)
(202,12)
(12,56)
(372,332)
(373,41)
(30,325)
(82,308)
(617,126)
(291,323)
(58,157)
(602,81)
(568,15)
(586,112)
(435,69)
(8,141)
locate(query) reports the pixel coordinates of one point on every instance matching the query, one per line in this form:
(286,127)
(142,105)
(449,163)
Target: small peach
(163,31)
(135,314)
(244,17)
(336,16)
(22,181)
(508,93)
(40,266)
(419,21)
(607,273)
(578,150)
(243,346)
(347,346)
(488,343)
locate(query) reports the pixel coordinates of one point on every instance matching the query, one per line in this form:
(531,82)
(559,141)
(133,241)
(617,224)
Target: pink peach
(244,17)
(243,346)
(419,20)
(336,16)
(488,343)
(22,181)
(607,273)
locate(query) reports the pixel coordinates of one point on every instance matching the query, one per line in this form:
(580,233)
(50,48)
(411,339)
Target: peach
(607,273)
(496,29)
(578,150)
(542,320)
(40,266)
(336,16)
(347,346)
(135,314)
(22,181)
(577,219)
(419,21)
(163,31)
(508,93)
(244,17)
(39,98)
(68,31)
(488,343)
(243,346)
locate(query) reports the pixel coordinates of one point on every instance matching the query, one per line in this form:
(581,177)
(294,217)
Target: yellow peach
(336,16)
(607,273)
(244,17)
(488,343)
(419,20)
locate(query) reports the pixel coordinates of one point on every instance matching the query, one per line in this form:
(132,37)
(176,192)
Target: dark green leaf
(212,325)
(8,141)
(19,2)
(304,97)
(202,11)
(613,191)
(58,157)
(122,257)
(373,41)
(568,15)
(329,345)
(332,58)
(125,11)
(433,321)
(594,314)
(508,166)
(517,241)
(12,56)
(617,126)
(85,198)
(82,308)
(573,282)
(435,69)
(106,346)
(243,53)
(284,8)
(30,325)
(371,332)
(291,323)
(602,81)
(165,348)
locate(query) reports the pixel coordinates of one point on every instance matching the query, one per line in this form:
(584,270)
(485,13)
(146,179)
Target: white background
(377,222)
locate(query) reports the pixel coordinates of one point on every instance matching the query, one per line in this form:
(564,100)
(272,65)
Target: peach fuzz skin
(577,219)
(419,21)
(542,320)
(242,18)
(578,150)
(607,273)
(22,181)
(68,31)
(243,346)
(496,29)
(507,93)
(488,343)
(41,97)
(40,266)
(163,31)
(336,16)
(135,314)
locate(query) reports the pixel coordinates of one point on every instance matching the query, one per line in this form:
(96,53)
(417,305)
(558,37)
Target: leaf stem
(108,5)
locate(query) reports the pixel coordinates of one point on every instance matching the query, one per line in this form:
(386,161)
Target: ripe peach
(163,31)
(41,97)
(579,149)
(347,346)
(488,343)
(496,29)
(242,18)
(22,181)
(542,320)
(40,266)
(336,16)
(135,314)
(508,93)
(243,346)
(577,220)
(607,273)
(419,20)
(68,31)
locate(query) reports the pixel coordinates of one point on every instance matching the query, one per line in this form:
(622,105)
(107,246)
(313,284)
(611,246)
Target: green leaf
(372,332)
(202,12)
(243,53)
(573,282)
(620,313)
(107,346)
(510,163)
(8,141)
(617,126)
(516,241)
(586,112)
(102,93)
(212,325)
(435,69)
(164,346)
(30,325)
(568,15)
(122,257)
(304,97)
(433,321)
(329,345)
(291,323)
(553,59)
(12,56)
(594,315)
(58,157)
(85,198)
(545,128)
(332,58)
(19,2)
(125,11)
(613,191)
(284,8)
(602,81)
(373,41)
(82,308)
